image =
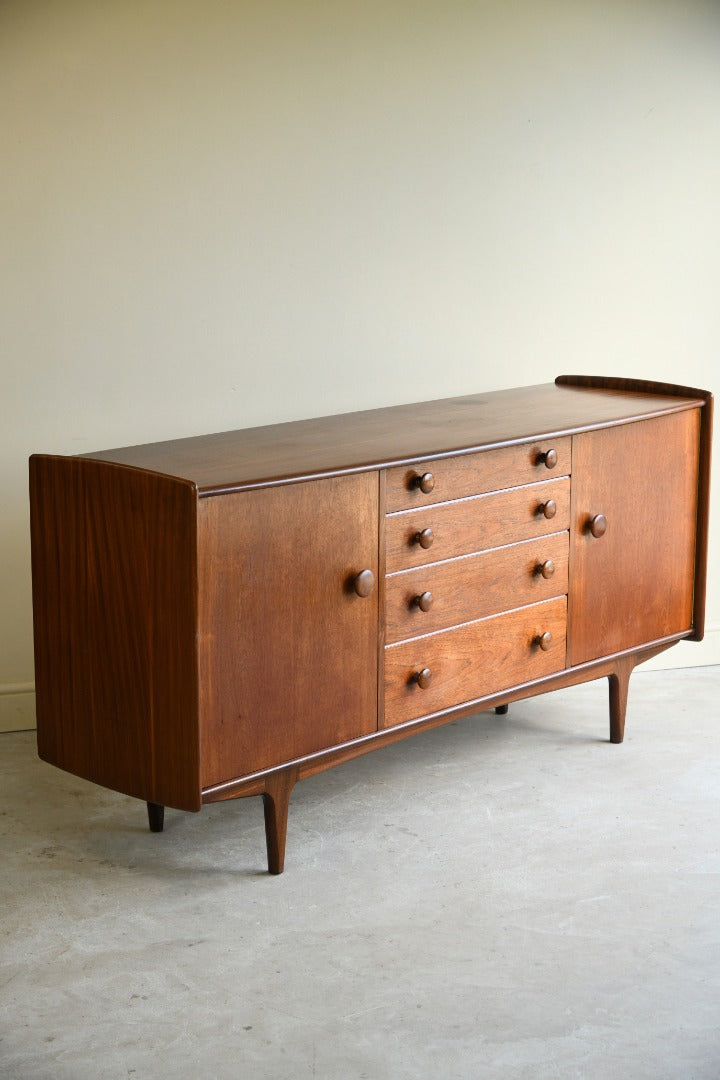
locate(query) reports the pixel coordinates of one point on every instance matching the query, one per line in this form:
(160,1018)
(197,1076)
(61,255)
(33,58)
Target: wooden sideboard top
(400,434)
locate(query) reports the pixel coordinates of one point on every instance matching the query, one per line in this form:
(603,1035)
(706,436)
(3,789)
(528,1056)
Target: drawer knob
(423,678)
(548,509)
(548,458)
(423,601)
(426,482)
(546,569)
(424,538)
(544,640)
(364,583)
(598,525)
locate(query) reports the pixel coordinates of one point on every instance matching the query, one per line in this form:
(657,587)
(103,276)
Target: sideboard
(224,615)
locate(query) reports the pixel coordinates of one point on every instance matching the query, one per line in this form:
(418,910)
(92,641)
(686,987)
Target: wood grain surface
(475,524)
(474,474)
(474,660)
(401,434)
(114,605)
(475,586)
(611,383)
(634,583)
(337,755)
(211,614)
(288,650)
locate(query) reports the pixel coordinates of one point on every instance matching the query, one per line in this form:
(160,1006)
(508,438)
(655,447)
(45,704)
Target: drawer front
(470,474)
(485,521)
(472,587)
(474,660)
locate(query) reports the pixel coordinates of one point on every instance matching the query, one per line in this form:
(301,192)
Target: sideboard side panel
(115,606)
(288,650)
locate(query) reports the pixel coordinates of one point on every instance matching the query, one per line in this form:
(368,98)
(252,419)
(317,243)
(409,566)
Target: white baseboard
(17,707)
(17,701)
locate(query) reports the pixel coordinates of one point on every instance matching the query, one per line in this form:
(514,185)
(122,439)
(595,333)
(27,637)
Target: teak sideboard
(223,615)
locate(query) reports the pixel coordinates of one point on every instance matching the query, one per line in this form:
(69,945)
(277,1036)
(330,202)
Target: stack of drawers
(476,561)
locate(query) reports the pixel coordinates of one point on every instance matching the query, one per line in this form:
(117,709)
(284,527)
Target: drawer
(473,661)
(471,474)
(443,594)
(468,525)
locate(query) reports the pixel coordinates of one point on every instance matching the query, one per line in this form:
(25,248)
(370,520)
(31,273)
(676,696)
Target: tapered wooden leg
(156,816)
(276,801)
(501,710)
(619,682)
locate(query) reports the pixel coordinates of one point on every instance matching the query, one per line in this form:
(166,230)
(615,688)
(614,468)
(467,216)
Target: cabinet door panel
(634,583)
(288,650)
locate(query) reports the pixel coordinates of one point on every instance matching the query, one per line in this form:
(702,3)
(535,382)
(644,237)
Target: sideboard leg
(276,801)
(501,710)
(619,682)
(156,816)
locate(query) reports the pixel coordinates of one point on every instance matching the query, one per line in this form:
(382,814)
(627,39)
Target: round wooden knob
(548,509)
(423,678)
(364,583)
(424,601)
(548,458)
(544,640)
(424,538)
(598,525)
(546,569)
(426,482)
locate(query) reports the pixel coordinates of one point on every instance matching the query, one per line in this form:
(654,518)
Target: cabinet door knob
(423,678)
(423,601)
(426,482)
(546,569)
(424,538)
(548,509)
(598,525)
(548,458)
(364,583)
(544,640)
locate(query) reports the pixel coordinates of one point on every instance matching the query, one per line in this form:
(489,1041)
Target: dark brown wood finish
(619,682)
(425,481)
(474,660)
(364,583)
(593,383)
(401,434)
(470,474)
(288,650)
(242,787)
(382,607)
(276,804)
(632,580)
(425,539)
(114,605)
(475,586)
(246,647)
(475,524)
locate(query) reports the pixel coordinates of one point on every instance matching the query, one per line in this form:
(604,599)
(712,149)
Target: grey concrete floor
(506,897)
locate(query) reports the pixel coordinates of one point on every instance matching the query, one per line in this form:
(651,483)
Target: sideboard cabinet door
(632,535)
(287,633)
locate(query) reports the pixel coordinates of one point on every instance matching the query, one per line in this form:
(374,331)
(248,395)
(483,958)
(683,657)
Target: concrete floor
(505,897)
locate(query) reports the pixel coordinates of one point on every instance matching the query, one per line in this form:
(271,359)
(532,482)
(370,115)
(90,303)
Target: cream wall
(219,214)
